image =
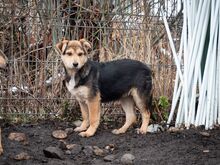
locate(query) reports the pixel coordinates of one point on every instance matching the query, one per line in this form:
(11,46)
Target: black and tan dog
(2,65)
(91,82)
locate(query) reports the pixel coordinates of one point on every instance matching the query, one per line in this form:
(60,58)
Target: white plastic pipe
(195,23)
(173,48)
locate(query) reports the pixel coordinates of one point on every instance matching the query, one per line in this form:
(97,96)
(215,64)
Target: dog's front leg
(94,116)
(1,148)
(85,117)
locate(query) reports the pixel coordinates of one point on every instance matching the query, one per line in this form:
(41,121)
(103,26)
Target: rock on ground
(98,151)
(59,134)
(53,152)
(127,159)
(69,130)
(75,148)
(88,150)
(17,136)
(77,123)
(109,158)
(22,156)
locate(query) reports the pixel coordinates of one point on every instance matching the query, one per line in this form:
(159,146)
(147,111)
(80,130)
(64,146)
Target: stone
(98,152)
(173,129)
(44,161)
(205,134)
(59,134)
(88,150)
(62,145)
(97,162)
(110,147)
(109,158)
(77,123)
(69,130)
(155,128)
(127,159)
(71,146)
(75,148)
(205,151)
(53,152)
(68,152)
(22,156)
(17,136)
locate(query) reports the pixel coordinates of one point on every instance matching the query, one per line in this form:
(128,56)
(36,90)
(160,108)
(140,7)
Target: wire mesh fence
(33,82)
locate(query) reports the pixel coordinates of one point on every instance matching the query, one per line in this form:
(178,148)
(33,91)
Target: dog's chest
(81,93)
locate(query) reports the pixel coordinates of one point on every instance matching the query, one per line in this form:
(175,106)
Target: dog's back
(118,78)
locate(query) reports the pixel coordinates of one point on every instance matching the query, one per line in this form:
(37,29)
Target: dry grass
(33,83)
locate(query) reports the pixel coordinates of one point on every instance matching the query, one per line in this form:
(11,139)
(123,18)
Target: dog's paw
(141,131)
(86,134)
(79,129)
(118,131)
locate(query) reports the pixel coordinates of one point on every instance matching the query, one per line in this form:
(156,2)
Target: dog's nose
(75,64)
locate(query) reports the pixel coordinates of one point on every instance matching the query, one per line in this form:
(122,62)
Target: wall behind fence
(117,29)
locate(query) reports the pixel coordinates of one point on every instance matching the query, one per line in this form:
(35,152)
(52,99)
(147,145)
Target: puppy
(91,83)
(2,65)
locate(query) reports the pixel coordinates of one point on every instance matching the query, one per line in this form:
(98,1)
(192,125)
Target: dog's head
(3,60)
(74,53)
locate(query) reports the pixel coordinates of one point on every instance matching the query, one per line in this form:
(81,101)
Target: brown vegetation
(29,30)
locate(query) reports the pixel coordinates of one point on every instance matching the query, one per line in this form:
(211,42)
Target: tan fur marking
(94,116)
(85,117)
(73,52)
(127,104)
(145,114)
(72,56)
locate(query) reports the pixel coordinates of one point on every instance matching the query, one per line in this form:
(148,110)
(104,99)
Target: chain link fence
(33,82)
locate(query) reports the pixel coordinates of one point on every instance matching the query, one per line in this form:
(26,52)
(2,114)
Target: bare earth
(184,147)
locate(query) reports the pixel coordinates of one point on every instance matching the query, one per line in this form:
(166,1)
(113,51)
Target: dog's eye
(69,53)
(80,54)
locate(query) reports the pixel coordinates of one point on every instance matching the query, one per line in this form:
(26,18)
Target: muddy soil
(181,147)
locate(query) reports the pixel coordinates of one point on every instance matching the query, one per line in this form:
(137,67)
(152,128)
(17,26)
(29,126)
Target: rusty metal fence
(32,84)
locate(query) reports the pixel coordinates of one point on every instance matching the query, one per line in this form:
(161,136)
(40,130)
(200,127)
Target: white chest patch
(71,84)
(80,93)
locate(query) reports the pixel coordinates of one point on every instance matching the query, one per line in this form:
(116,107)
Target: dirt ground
(181,147)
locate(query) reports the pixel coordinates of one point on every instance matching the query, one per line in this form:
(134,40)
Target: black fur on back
(118,77)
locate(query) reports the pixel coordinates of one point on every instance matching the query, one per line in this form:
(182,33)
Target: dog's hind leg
(127,104)
(94,116)
(85,116)
(140,102)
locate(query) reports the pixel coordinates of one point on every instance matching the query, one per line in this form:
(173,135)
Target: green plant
(161,106)
(163,102)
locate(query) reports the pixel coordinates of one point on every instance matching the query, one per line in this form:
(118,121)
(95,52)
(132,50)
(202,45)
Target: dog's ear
(85,44)
(60,45)
(3,59)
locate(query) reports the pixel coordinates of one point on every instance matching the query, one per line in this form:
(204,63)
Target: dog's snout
(75,64)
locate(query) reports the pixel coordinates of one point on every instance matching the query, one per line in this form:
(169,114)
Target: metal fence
(32,84)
